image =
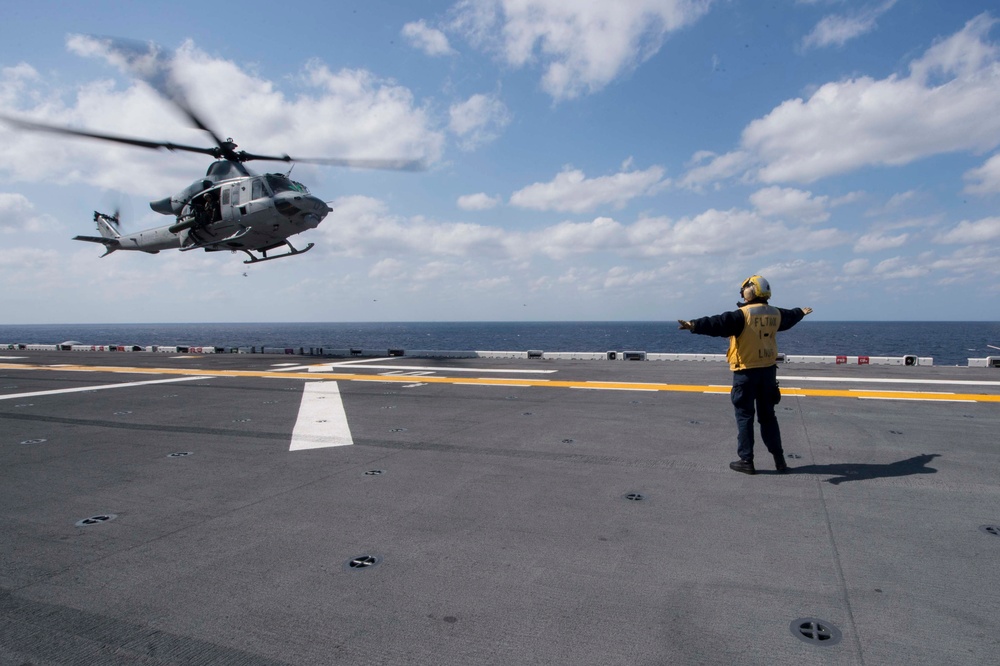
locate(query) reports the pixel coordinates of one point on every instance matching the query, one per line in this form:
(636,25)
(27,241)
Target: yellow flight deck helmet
(761,288)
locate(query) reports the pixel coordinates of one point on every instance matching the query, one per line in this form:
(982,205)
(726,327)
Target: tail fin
(107,225)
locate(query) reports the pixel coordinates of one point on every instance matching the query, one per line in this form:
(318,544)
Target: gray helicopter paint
(247,222)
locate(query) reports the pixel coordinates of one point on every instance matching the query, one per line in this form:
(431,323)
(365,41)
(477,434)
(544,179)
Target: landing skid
(291,252)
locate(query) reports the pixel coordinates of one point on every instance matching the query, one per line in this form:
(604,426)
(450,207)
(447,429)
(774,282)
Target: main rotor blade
(142,143)
(354,162)
(147,62)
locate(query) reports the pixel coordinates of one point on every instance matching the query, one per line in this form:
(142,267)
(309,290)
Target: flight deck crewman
(753,353)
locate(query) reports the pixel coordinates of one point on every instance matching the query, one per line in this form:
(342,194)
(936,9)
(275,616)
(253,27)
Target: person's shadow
(862,471)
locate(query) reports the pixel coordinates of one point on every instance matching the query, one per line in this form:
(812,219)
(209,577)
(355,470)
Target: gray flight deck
(581,515)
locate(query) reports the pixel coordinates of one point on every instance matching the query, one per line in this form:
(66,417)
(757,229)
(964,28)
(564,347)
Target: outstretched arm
(722,325)
(791,317)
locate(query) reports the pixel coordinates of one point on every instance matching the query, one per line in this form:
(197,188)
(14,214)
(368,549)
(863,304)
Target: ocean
(948,343)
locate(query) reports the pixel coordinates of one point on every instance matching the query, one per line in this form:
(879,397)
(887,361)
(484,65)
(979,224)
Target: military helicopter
(231,208)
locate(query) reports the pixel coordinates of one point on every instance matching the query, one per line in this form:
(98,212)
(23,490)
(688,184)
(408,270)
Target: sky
(586,161)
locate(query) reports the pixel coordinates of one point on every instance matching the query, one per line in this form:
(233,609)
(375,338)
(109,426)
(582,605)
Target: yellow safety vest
(757,345)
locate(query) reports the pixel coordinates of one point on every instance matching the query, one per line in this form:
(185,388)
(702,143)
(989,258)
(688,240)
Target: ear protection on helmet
(761,287)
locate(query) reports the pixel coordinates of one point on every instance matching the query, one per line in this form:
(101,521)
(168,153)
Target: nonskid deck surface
(258,509)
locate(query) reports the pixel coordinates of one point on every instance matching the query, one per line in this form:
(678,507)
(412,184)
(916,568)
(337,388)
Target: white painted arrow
(322,421)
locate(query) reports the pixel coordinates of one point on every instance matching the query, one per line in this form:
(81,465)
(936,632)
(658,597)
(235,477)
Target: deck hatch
(96,520)
(815,631)
(362,562)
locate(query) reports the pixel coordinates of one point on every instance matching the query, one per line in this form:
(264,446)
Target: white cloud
(849,198)
(30,270)
(796,271)
(964,54)
(435,270)
(430,40)
(569,238)
(479,201)
(719,167)
(623,277)
(901,268)
(948,103)
(388,268)
(583,46)
(896,203)
(875,242)
(572,191)
(984,179)
(838,29)
(17,214)
(971,263)
(362,226)
(731,232)
(13,81)
(491,283)
(788,202)
(966,232)
(855,267)
(478,120)
(343,114)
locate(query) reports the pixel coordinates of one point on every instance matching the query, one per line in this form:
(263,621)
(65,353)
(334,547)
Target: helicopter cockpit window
(258,188)
(279,183)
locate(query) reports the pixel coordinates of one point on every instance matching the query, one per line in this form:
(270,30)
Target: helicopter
(231,208)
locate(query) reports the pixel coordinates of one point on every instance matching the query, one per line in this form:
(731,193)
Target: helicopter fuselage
(230,209)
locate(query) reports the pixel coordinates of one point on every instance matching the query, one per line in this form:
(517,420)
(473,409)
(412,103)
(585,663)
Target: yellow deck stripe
(515,382)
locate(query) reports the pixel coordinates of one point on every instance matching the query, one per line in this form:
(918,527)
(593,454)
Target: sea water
(948,343)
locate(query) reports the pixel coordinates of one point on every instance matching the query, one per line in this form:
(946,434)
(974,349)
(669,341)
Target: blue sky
(633,160)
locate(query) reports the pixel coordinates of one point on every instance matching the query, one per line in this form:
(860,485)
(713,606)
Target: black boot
(780,464)
(742,466)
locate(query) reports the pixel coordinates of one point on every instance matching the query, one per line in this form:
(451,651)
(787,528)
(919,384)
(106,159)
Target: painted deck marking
(322,421)
(82,389)
(328,367)
(547,383)
(896,380)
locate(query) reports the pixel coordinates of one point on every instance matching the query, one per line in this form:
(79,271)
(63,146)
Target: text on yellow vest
(757,345)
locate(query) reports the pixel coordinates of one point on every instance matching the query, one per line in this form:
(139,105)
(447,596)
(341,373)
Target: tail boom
(110,244)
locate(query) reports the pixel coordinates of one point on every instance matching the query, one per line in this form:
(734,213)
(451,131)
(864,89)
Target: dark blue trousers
(756,389)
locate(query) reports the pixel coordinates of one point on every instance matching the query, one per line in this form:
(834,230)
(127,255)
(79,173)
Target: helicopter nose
(291,204)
